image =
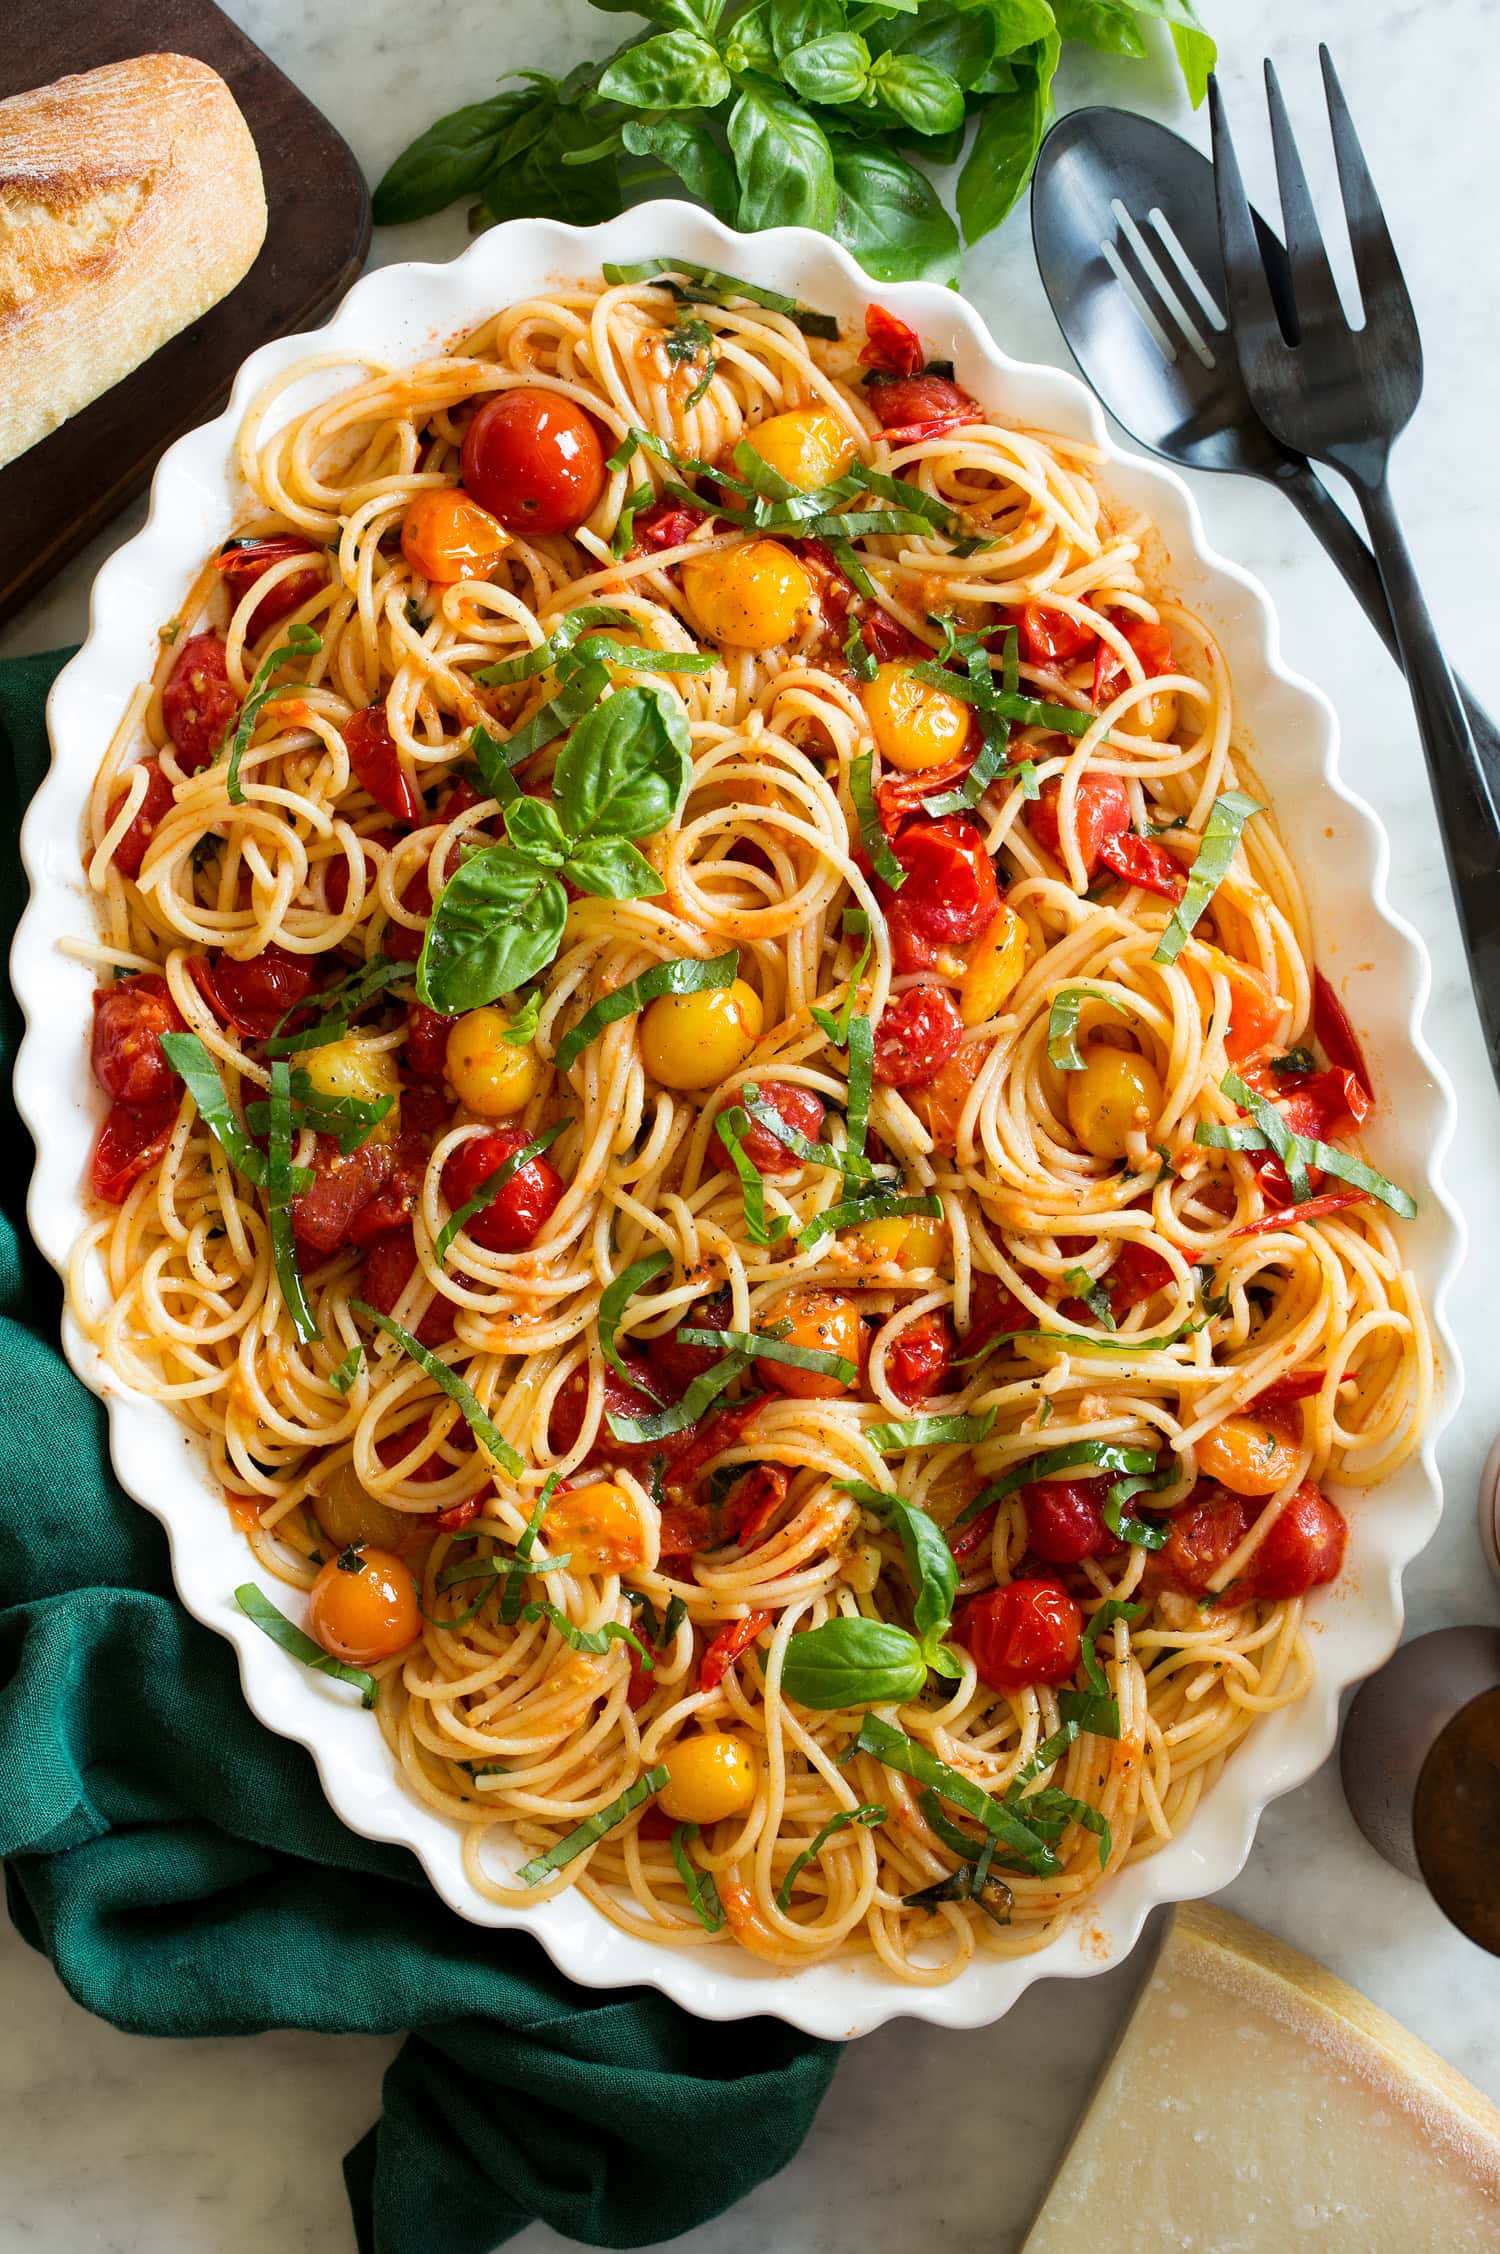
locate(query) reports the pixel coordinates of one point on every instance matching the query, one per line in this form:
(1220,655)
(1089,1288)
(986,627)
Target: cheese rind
(1256,2102)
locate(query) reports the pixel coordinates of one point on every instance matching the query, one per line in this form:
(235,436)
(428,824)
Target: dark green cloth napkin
(181,1868)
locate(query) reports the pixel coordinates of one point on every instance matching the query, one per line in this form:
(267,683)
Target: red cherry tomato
(799,1107)
(129,1143)
(885,638)
(664,525)
(401,941)
(670,1365)
(426,1041)
(529,1199)
(1152,645)
(1138,1272)
(390,1264)
(620,1399)
(1065,1520)
(916,1035)
(240,563)
(1303,1549)
(1027,1632)
(1208,1528)
(399,1188)
(255,995)
(1052,637)
(1146,862)
(130,1018)
(533,459)
(131,849)
(376,765)
(950,891)
(993,1311)
(198,705)
(1340,1041)
(890,344)
(921,399)
(1101,810)
(342,1187)
(916,1365)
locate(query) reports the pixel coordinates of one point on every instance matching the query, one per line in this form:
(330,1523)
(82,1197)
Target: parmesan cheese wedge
(1256,2104)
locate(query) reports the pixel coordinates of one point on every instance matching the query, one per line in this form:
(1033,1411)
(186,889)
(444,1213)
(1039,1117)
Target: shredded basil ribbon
(449,1381)
(349,1119)
(987,765)
(860,658)
(501,1567)
(545,654)
(932,1432)
(490,1188)
(341,1003)
(755,1345)
(717,289)
(1093,1295)
(792,1139)
(1221,837)
(854,571)
(622,539)
(1100,1455)
(1140,1533)
(594,1641)
(281,1180)
(194,1067)
(685,974)
(521,1564)
(616,1297)
(593,1828)
(1298,1152)
(1025,712)
(700,1395)
(853,1211)
(301,642)
(870,1814)
(342,1379)
(700,1887)
(898,1751)
(1079,1342)
(731,1126)
(861,1083)
(872,834)
(1062,1024)
(272,1622)
(837,1027)
(578,691)
(1095,1709)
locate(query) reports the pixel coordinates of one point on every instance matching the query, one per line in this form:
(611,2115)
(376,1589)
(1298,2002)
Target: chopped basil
(859,656)
(932,1432)
(594,1641)
(836,1027)
(854,571)
(490,1188)
(1025,712)
(1221,837)
(194,1067)
(758,1345)
(349,1119)
(991,757)
(710,287)
(898,1751)
(1295,1060)
(622,539)
(870,1814)
(450,1383)
(1048,1463)
(281,1179)
(272,1622)
(731,1126)
(685,974)
(616,1297)
(1062,1023)
(593,1828)
(301,642)
(521,1564)
(792,1139)
(861,1083)
(1093,1295)
(1298,1152)
(1141,1533)
(553,646)
(341,1004)
(1096,1709)
(872,834)
(700,1395)
(342,1379)
(699,1886)
(853,1211)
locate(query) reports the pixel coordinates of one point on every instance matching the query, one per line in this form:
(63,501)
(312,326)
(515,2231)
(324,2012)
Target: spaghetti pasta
(703,1123)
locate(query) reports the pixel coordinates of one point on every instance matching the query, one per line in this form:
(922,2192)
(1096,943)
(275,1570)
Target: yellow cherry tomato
(808,446)
(445,536)
(598,1526)
(914,724)
(487,1072)
(826,1322)
(1157,717)
(993,970)
(924,1244)
(1248,1455)
(709,1777)
(355,1067)
(748,597)
(876,1241)
(347,1513)
(697,1040)
(1117,1090)
(365,1611)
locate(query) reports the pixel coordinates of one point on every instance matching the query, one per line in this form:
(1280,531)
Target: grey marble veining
(112,2144)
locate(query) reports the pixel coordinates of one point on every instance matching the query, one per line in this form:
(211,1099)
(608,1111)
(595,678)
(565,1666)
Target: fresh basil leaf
(301,643)
(794,24)
(858,655)
(801,1146)
(987,764)
(930,1431)
(616,1297)
(833,69)
(540,169)
(490,1188)
(1305,1152)
(783,159)
(593,1828)
(924,95)
(1095,1708)
(282,1179)
(891,218)
(1093,1295)
(852,1662)
(870,1815)
(507,671)
(521,1031)
(700,1395)
(851,567)
(613,869)
(1220,843)
(677,70)
(195,1068)
(521,1563)
(959,40)
(930,1564)
(449,1382)
(750,45)
(622,539)
(1291,1149)
(273,1622)
(898,1751)
(449,160)
(498,921)
(731,1126)
(1110,26)
(871,830)
(837,1030)
(1062,1024)
(699,1886)
(1049,1463)
(851,1212)
(685,974)
(689,150)
(759,1345)
(1004,149)
(532,827)
(626,768)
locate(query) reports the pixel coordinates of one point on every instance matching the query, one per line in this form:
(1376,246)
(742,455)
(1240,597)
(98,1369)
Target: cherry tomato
(376,764)
(1152,645)
(886,638)
(1304,1548)
(1208,1528)
(390,1203)
(427,1034)
(446,537)
(130,852)
(826,1322)
(621,1399)
(365,1609)
(1139,1272)
(672,1364)
(129,1019)
(198,706)
(130,1142)
(1065,1520)
(916,1364)
(254,996)
(1338,1037)
(950,891)
(890,344)
(801,1109)
(918,399)
(1146,862)
(993,1311)
(916,1035)
(1027,1632)
(529,1199)
(401,940)
(240,563)
(1052,637)
(533,459)
(1101,810)
(390,1264)
(664,525)
(342,1187)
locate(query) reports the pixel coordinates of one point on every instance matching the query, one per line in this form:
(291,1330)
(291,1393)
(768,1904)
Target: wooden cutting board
(57,495)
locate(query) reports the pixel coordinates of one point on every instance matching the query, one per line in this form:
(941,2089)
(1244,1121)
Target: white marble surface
(112,2143)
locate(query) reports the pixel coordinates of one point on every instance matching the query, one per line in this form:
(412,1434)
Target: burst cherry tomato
(1152,645)
(197,703)
(529,1199)
(916,1035)
(363,1607)
(129,1019)
(799,1107)
(253,996)
(533,459)
(1139,1272)
(1065,1520)
(914,400)
(1206,1531)
(1101,811)
(1303,1549)
(1052,637)
(950,891)
(131,849)
(672,1362)
(916,1365)
(621,1399)
(390,1264)
(130,1142)
(376,764)
(890,344)
(1027,1632)
(664,525)
(240,563)
(1340,1041)
(427,1034)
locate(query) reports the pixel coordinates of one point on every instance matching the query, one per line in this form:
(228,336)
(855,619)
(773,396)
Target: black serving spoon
(1124,221)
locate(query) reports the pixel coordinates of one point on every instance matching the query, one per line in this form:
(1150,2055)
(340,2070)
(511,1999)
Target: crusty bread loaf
(131,201)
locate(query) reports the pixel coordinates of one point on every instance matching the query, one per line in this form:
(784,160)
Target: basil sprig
(490,1188)
(301,642)
(685,974)
(1050,1463)
(593,1828)
(930,1564)
(869,1814)
(272,1622)
(1062,1023)
(1297,1152)
(1220,843)
(449,1382)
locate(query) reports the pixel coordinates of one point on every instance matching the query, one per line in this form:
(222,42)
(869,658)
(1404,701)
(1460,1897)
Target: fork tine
(1249,293)
(1381,283)
(1313,285)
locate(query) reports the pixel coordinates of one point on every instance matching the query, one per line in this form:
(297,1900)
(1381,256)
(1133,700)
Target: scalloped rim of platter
(401,313)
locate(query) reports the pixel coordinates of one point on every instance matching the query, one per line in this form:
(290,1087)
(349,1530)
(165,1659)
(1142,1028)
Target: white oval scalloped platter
(401,314)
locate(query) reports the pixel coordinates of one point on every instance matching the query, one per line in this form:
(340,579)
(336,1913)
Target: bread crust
(131,201)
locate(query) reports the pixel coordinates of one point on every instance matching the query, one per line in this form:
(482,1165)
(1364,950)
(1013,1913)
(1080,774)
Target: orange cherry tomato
(366,1611)
(445,536)
(826,1322)
(533,459)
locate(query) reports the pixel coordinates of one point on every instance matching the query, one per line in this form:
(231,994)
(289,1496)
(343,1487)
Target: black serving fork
(1343,396)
